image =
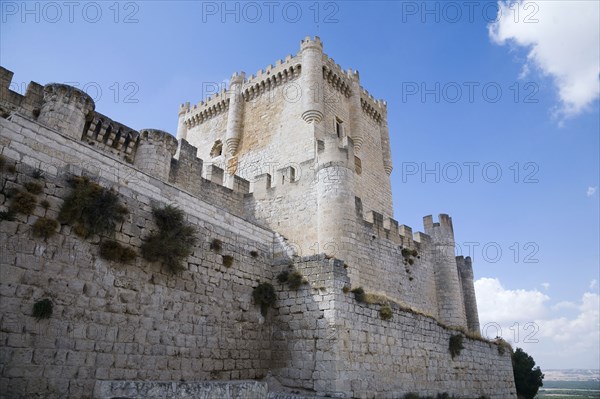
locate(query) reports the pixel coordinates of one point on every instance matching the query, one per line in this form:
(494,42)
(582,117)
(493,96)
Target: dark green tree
(528,378)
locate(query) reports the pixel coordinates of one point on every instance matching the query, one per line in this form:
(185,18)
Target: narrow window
(357,165)
(339,130)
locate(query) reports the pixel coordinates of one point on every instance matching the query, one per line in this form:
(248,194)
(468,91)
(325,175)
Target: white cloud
(546,286)
(499,305)
(593,284)
(563,38)
(527,320)
(591,191)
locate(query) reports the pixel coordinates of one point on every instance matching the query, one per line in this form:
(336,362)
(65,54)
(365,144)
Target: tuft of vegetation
(294,279)
(283,276)
(7,215)
(11,168)
(503,346)
(528,377)
(34,188)
(455,345)
(385,312)
(264,295)
(90,208)
(45,204)
(359,295)
(227,260)
(22,202)
(115,252)
(173,242)
(38,174)
(42,309)
(44,227)
(345,289)
(254,254)
(216,245)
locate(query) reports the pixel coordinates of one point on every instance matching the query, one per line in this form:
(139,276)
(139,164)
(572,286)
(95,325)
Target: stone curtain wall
(327,342)
(115,321)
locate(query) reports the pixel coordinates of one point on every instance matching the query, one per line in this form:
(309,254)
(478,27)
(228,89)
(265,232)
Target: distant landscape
(570,384)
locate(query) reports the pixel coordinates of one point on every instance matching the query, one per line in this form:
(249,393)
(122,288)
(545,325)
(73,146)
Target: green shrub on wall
(455,345)
(44,227)
(294,279)
(43,309)
(264,295)
(115,252)
(385,312)
(90,208)
(173,242)
(22,202)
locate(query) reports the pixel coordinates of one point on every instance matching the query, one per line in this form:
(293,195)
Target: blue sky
(466,91)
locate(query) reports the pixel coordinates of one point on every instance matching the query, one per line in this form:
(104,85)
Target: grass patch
(45,204)
(44,228)
(385,312)
(264,295)
(359,295)
(283,276)
(227,260)
(455,345)
(503,346)
(34,188)
(37,174)
(7,215)
(22,202)
(345,289)
(90,208)
(42,309)
(216,245)
(173,242)
(115,252)
(294,279)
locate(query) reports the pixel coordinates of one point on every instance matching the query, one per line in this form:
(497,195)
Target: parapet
(335,151)
(388,228)
(111,136)
(308,42)
(442,231)
(28,105)
(336,78)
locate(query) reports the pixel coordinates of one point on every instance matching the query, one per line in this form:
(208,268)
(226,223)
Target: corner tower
(451,307)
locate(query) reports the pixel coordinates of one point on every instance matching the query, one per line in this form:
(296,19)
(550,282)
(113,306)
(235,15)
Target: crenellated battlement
(283,72)
(336,77)
(207,109)
(111,136)
(309,42)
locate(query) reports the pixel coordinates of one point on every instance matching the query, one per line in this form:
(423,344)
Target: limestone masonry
(287,170)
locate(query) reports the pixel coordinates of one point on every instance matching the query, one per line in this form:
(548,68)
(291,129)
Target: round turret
(155,149)
(235,115)
(312,79)
(451,307)
(335,194)
(66,109)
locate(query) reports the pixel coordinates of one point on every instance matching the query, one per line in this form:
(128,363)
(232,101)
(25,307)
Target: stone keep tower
(315,146)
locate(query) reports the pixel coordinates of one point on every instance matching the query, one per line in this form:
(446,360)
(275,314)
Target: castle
(288,170)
